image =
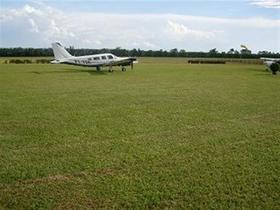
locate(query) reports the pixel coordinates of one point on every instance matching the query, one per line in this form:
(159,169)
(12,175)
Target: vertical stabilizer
(59,51)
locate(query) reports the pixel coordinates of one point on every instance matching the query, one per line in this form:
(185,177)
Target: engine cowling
(274,67)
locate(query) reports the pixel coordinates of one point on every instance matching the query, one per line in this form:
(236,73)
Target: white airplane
(273,64)
(99,60)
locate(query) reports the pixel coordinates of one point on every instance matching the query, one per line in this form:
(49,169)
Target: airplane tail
(59,51)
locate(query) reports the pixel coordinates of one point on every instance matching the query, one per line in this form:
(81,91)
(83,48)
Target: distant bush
(223,61)
(193,61)
(207,61)
(27,61)
(42,61)
(16,61)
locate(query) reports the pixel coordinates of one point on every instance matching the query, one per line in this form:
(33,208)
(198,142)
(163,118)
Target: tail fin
(59,51)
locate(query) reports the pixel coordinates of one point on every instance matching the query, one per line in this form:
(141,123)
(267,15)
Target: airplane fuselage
(107,59)
(273,64)
(97,60)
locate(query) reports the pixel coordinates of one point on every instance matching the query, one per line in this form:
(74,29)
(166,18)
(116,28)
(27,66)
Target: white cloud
(54,31)
(182,31)
(49,21)
(30,10)
(149,45)
(34,26)
(90,42)
(275,4)
(42,25)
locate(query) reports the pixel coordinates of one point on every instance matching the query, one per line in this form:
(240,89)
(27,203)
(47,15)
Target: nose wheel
(123,68)
(110,68)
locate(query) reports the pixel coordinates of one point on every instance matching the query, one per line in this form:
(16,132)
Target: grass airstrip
(165,135)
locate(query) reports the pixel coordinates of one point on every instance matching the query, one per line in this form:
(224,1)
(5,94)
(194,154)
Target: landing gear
(274,68)
(123,68)
(110,69)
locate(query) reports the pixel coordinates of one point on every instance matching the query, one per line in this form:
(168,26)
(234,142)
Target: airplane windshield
(110,57)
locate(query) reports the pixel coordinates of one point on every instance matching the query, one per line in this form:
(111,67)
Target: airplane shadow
(255,69)
(267,74)
(72,71)
(260,71)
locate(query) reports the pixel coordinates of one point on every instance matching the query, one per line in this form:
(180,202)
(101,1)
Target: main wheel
(274,68)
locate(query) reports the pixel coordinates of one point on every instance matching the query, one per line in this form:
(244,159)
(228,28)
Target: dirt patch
(69,177)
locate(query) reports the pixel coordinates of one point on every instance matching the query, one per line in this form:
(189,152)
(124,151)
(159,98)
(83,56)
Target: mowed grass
(164,135)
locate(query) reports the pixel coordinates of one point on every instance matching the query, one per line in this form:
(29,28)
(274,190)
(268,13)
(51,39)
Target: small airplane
(98,60)
(273,64)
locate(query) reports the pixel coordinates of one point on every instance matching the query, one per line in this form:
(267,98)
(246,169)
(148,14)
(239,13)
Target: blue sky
(148,24)
(217,8)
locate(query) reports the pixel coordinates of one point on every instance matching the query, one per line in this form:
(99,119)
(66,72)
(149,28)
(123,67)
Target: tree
(236,52)
(72,50)
(174,52)
(213,51)
(231,51)
(182,53)
(245,52)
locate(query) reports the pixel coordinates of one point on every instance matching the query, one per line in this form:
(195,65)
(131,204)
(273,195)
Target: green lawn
(164,135)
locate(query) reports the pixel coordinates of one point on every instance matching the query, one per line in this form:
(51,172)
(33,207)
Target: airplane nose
(132,62)
(133,59)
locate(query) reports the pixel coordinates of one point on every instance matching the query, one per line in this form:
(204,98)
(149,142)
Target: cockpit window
(110,57)
(103,57)
(96,58)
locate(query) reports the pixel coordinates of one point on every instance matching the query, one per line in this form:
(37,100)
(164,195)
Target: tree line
(213,53)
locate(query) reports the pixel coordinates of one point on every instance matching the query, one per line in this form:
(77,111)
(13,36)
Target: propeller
(132,61)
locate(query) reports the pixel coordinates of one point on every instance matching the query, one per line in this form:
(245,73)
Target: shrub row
(26,61)
(43,61)
(223,61)
(206,62)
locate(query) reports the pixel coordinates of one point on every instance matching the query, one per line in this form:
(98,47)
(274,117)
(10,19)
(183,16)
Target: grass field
(165,135)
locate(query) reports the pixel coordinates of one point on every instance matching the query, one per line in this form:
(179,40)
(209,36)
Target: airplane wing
(270,59)
(125,61)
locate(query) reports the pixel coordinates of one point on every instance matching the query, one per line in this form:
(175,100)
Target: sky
(193,25)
